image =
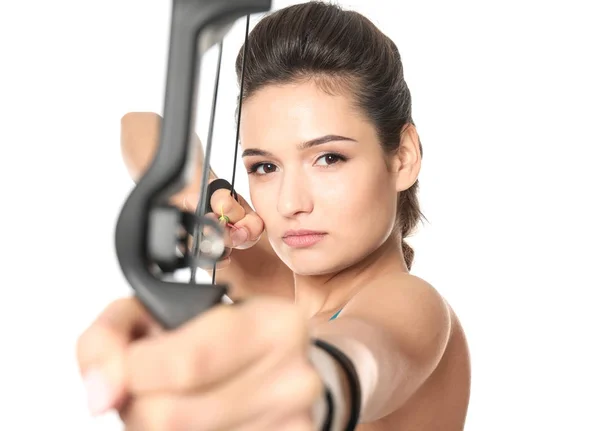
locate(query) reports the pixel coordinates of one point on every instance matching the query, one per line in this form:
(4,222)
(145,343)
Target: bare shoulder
(401,300)
(418,322)
(410,311)
(400,286)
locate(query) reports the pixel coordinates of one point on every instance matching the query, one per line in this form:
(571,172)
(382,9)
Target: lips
(302,238)
(302,232)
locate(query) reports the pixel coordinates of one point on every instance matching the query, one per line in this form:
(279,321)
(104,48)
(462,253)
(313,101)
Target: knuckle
(222,199)
(117,311)
(255,225)
(118,303)
(255,219)
(118,306)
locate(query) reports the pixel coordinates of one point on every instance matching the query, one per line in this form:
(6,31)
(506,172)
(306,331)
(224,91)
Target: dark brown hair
(341,51)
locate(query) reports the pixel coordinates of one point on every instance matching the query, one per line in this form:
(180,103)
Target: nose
(294,194)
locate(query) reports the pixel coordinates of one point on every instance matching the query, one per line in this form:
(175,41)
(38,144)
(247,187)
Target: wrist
(341,400)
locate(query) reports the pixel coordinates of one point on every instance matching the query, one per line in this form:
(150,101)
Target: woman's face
(318,177)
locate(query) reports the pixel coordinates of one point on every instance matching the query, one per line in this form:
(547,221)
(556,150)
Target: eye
(330,159)
(262,168)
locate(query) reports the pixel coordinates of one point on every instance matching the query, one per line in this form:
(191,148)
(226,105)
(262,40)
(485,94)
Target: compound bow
(152,236)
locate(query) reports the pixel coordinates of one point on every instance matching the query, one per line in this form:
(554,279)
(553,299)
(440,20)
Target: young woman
(333,159)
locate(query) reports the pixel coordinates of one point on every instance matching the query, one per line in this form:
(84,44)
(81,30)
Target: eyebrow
(303,146)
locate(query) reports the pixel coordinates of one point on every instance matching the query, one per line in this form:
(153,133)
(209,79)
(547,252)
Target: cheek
(360,197)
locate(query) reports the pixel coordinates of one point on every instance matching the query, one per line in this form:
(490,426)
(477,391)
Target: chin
(312,270)
(314,262)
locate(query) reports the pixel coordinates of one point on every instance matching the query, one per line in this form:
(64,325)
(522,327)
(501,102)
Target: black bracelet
(353,382)
(330,410)
(217,184)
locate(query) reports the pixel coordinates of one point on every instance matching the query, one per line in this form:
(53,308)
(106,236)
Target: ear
(408,158)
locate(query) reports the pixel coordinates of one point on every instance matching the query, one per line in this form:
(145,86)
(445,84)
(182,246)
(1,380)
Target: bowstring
(206,167)
(239,113)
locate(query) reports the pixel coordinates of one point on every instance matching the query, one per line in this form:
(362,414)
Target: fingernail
(99,394)
(238,237)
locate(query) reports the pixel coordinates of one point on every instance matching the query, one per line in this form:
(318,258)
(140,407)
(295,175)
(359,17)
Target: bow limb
(149,230)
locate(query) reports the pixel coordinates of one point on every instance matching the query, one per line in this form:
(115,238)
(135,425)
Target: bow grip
(148,229)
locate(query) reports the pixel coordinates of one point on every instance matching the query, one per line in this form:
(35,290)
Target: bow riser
(148,230)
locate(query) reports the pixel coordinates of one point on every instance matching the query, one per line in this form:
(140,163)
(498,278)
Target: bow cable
(206,165)
(237,136)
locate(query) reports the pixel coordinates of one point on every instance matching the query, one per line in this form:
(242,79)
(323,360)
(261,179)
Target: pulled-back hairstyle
(342,51)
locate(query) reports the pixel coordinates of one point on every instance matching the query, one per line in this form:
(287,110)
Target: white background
(506,100)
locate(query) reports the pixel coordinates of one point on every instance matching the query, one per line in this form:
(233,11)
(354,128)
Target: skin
(406,342)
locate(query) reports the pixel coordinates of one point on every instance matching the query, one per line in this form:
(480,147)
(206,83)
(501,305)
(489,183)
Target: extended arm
(395,336)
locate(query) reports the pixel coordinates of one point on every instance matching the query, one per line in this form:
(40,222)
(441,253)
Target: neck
(323,295)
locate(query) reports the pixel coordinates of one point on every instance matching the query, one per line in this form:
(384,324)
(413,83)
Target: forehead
(298,112)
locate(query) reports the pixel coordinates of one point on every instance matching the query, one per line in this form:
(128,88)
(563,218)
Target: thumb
(104,385)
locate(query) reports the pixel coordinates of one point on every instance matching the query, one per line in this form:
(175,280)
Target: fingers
(101,349)
(284,401)
(218,346)
(252,226)
(248,226)
(223,203)
(244,226)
